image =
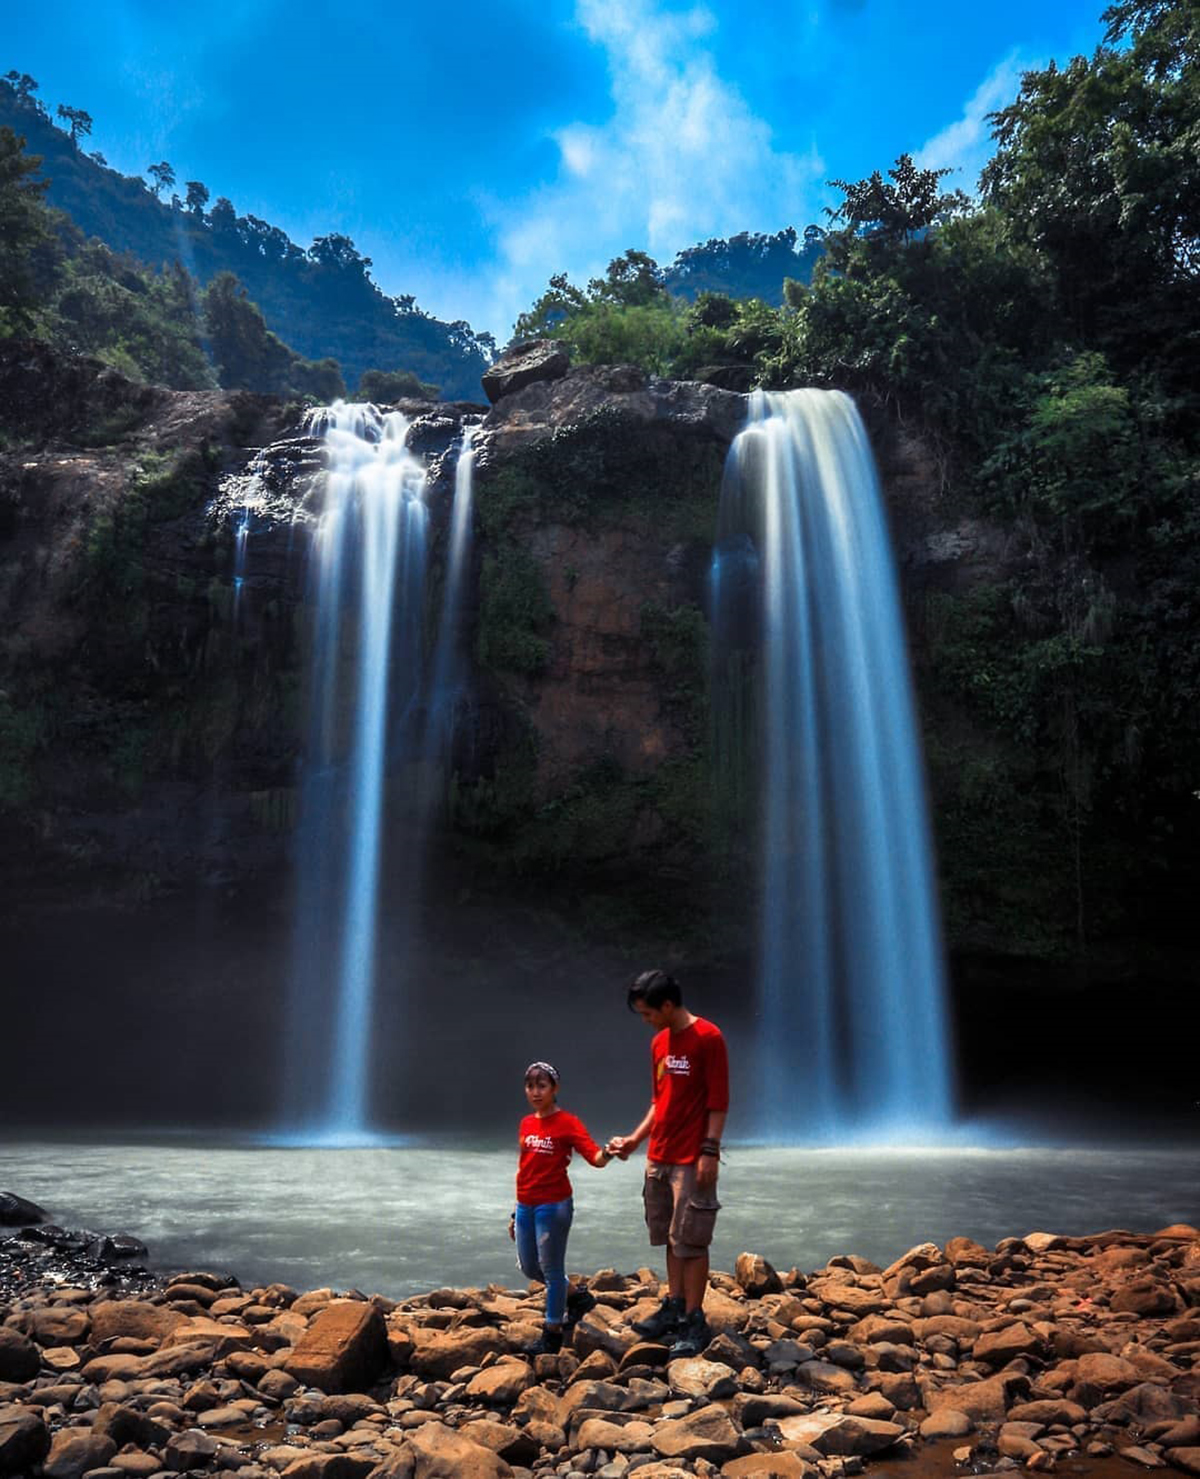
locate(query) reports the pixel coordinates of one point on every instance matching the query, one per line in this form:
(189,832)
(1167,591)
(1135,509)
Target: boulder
(55,1325)
(440,1353)
(756,1276)
(190,1450)
(837,1433)
(114,1318)
(1145,1297)
(999,1347)
(708,1434)
(500,1385)
(614,1437)
(948,1423)
(1187,1459)
(1106,1372)
(331,1466)
(24,1440)
(76,1450)
(514,1445)
(524,364)
(17,1212)
(20,1359)
(982,1401)
(769,1466)
(343,1350)
(442,1453)
(697,1377)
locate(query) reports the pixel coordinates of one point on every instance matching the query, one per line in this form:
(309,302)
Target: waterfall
(814,713)
(367,591)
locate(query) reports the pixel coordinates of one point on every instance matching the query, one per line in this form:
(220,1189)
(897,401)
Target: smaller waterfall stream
(850,1013)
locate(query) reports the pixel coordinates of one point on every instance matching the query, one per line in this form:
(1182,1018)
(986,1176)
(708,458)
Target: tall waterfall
(368,591)
(448,661)
(812,693)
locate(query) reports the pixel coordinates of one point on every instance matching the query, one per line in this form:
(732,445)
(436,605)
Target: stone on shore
(75,1451)
(19,1357)
(442,1453)
(343,1350)
(24,1439)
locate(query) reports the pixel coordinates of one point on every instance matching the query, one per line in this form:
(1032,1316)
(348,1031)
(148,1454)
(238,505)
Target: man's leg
(694,1279)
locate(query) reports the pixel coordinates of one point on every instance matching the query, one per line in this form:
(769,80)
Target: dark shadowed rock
(24,1440)
(524,364)
(75,1451)
(17,1212)
(19,1358)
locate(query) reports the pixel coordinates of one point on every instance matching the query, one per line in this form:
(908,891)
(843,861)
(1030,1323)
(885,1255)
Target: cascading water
(851,1017)
(448,664)
(368,579)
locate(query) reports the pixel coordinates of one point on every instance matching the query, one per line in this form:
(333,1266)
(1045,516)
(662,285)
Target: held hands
(620,1146)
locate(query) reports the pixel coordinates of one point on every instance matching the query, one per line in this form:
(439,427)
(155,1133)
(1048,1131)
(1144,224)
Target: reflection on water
(399,1220)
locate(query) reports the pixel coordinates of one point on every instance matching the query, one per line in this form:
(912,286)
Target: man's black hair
(654,988)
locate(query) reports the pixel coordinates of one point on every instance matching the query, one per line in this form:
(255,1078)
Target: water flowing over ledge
(816,739)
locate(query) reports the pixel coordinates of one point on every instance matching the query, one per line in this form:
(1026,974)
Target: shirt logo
(543,1144)
(681,1065)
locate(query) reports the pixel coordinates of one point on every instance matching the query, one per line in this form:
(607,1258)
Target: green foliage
(678,637)
(23,229)
(21,734)
(250,357)
(384,387)
(515,613)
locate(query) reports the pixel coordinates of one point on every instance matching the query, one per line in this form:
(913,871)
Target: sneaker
(692,1335)
(663,1321)
(549,1343)
(579,1301)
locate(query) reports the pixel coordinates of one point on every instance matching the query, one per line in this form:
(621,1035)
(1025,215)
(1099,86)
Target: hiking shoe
(692,1335)
(663,1321)
(548,1343)
(579,1301)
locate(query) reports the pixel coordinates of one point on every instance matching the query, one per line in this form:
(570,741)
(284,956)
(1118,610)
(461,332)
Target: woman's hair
(654,988)
(539,1067)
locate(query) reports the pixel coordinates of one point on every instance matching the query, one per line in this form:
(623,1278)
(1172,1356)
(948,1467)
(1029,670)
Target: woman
(542,1217)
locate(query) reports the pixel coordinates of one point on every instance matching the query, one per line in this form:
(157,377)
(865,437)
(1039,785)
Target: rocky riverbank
(1041,1350)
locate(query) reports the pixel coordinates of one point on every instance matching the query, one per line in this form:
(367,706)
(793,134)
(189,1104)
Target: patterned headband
(547,1068)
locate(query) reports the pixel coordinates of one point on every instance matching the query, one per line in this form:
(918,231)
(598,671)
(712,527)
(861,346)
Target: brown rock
(1106,1372)
(54,1325)
(442,1453)
(222,1338)
(769,1466)
(753,1410)
(344,1348)
(1142,1457)
(76,1450)
(514,1445)
(1016,1445)
(707,1434)
(525,364)
(966,1253)
(725,1315)
(61,1358)
(948,1423)
(1049,1410)
(999,1347)
(136,1317)
(823,1376)
(500,1385)
(836,1433)
(899,1388)
(616,1437)
(696,1377)
(882,1328)
(125,1424)
(331,1466)
(24,1439)
(872,1404)
(965,1332)
(1145,1297)
(982,1401)
(135,1464)
(756,1276)
(190,1450)
(1187,1459)
(853,1298)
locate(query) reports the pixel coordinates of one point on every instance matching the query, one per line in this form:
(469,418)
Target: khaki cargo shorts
(676,1213)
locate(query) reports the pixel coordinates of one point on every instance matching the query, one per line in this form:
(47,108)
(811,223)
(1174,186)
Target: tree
(25,86)
(97,158)
(79,122)
(902,210)
(385,387)
(197,197)
(339,253)
(250,357)
(23,228)
(163,175)
(223,217)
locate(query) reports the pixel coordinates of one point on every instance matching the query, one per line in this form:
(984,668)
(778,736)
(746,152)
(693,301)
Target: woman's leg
(553,1225)
(527,1243)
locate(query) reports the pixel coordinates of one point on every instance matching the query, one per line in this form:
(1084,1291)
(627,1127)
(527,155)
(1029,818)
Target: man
(684,1122)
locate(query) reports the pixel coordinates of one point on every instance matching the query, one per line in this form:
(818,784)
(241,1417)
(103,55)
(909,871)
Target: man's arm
(708,1164)
(624,1145)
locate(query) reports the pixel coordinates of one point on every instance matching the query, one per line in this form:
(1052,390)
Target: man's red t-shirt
(691,1077)
(546,1146)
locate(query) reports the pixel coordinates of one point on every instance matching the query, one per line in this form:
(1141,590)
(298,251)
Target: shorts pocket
(698,1220)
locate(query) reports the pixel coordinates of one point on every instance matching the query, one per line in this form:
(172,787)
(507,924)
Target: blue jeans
(542,1251)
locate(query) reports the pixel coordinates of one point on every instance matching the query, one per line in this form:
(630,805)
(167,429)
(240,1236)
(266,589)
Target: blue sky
(473,149)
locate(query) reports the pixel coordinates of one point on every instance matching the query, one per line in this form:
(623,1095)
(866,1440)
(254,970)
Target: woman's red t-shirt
(546,1146)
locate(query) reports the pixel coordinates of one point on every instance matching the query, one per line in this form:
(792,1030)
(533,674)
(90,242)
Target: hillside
(322,302)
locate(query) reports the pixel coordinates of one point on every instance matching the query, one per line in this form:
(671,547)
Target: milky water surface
(399,1220)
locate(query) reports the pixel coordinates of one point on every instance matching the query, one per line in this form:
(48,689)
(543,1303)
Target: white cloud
(681,158)
(966,145)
